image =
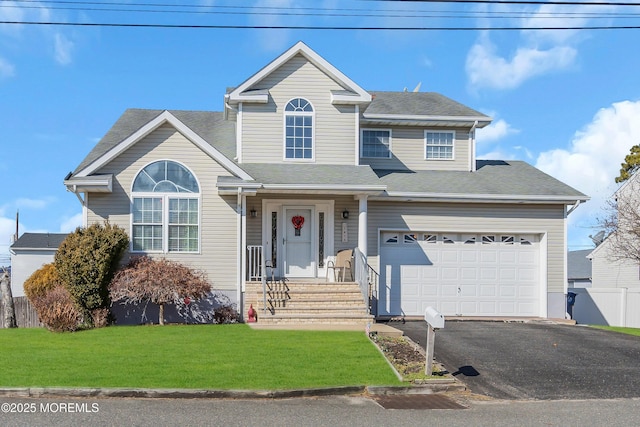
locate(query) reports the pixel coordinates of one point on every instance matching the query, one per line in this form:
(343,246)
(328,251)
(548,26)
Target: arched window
(165,213)
(298,116)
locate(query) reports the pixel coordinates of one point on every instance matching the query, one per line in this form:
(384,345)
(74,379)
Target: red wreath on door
(297,221)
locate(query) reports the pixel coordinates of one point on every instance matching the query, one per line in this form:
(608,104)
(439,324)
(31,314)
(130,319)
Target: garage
(460,274)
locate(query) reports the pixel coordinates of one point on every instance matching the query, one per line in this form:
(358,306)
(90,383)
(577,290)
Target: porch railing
(367,278)
(257,269)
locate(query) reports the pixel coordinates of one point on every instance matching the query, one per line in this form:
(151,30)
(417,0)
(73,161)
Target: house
(302,162)
(614,296)
(30,252)
(579,269)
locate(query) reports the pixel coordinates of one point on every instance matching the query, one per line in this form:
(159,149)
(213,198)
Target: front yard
(190,356)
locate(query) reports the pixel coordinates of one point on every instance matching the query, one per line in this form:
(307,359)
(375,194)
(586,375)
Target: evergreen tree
(630,165)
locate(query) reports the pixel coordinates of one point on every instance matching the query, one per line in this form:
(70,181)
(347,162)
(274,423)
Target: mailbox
(434,318)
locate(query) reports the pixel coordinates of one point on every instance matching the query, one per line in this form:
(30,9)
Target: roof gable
(246,92)
(127,133)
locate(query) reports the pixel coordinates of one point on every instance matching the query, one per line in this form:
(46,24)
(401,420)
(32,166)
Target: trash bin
(571,300)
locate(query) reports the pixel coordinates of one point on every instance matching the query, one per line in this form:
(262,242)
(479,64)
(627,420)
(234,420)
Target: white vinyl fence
(607,306)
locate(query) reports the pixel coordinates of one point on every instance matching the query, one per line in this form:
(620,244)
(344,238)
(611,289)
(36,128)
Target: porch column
(362,224)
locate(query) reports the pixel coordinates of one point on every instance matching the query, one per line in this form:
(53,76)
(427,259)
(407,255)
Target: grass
(190,356)
(628,331)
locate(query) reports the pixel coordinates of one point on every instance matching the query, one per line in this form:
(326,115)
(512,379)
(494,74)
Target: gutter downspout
(574,207)
(240,271)
(472,147)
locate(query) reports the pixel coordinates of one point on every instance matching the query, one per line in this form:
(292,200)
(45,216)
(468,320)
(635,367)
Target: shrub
(225,314)
(160,281)
(57,310)
(86,262)
(41,281)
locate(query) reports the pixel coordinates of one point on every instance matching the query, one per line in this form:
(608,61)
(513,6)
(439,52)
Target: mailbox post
(435,320)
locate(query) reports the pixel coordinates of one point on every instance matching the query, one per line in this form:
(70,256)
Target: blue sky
(566,101)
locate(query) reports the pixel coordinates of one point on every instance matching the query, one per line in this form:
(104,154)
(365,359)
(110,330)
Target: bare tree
(7,300)
(622,223)
(160,281)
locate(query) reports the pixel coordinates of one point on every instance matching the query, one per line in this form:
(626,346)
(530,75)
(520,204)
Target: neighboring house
(579,269)
(614,296)
(30,252)
(302,162)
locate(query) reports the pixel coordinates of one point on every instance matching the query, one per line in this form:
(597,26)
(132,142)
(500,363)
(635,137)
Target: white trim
(135,176)
(482,120)
(453,145)
(410,196)
(162,118)
(279,205)
(311,114)
(300,48)
(544,275)
(239,133)
(95,183)
(363,130)
(240,248)
(357,135)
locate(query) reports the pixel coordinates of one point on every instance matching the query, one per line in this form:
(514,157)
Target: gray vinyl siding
(609,273)
(218,223)
(263,124)
(479,218)
(408,151)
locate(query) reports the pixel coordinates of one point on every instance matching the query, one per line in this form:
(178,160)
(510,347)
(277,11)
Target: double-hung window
(439,145)
(165,210)
(298,124)
(375,143)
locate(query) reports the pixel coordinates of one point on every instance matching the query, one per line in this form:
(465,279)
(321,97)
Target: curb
(435,386)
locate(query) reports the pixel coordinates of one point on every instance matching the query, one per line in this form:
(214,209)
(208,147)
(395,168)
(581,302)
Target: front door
(298,242)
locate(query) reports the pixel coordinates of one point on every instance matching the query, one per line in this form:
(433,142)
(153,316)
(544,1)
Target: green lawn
(190,356)
(628,331)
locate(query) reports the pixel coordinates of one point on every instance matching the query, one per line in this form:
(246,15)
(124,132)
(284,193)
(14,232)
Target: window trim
(311,114)
(165,197)
(453,144)
(363,130)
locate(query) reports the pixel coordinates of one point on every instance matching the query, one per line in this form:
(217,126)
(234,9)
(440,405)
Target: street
(327,411)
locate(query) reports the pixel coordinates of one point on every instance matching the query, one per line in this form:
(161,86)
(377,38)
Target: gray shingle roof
(498,178)
(210,126)
(418,104)
(492,177)
(578,265)
(300,174)
(39,241)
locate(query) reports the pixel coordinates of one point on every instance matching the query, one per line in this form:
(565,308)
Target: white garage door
(459,274)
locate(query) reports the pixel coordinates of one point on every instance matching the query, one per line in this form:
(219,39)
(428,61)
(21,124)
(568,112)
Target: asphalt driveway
(536,360)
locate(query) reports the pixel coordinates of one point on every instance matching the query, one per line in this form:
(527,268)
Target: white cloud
(70,224)
(6,69)
(485,68)
(63,48)
(32,203)
(497,130)
(593,160)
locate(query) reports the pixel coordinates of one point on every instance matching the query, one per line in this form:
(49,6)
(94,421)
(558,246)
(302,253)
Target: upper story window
(165,213)
(439,145)
(298,123)
(375,143)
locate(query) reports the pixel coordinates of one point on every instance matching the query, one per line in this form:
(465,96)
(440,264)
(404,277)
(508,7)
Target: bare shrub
(57,310)
(160,281)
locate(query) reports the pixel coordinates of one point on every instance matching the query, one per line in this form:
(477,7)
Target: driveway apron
(536,360)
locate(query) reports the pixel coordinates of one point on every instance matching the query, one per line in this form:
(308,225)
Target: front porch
(296,301)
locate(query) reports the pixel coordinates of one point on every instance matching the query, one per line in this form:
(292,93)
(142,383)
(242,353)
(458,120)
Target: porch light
(253,213)
(345,214)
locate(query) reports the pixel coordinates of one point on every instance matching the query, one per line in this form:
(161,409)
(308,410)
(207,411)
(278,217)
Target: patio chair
(341,266)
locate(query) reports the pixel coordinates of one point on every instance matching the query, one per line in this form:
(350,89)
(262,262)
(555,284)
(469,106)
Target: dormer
(321,127)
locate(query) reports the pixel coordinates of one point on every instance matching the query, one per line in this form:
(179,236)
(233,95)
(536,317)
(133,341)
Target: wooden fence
(26,316)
